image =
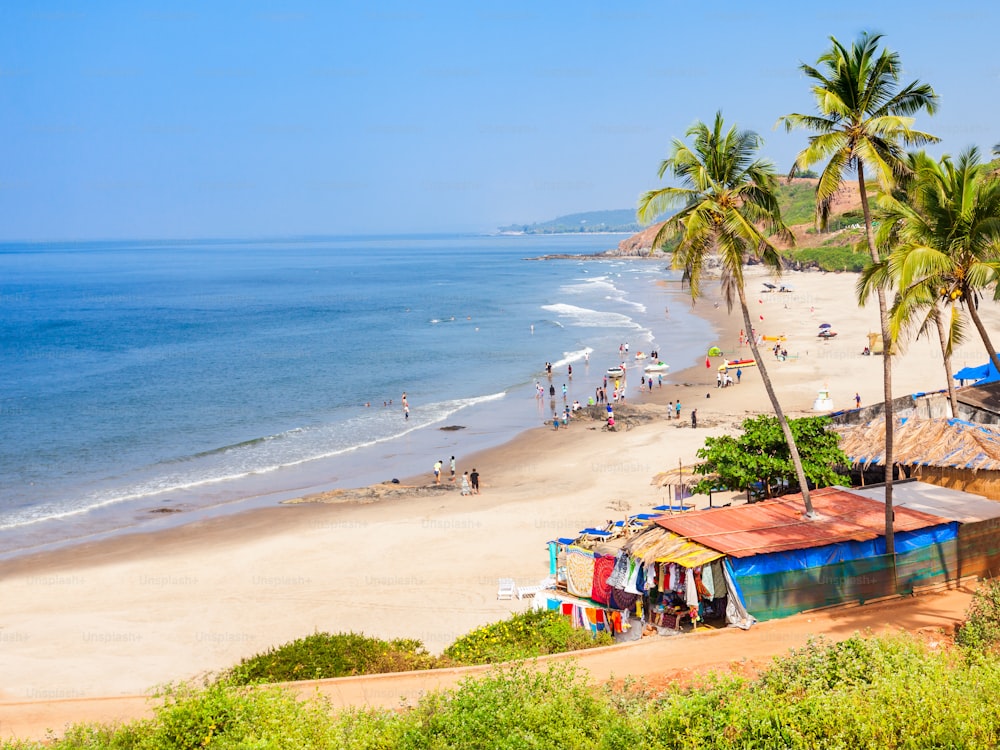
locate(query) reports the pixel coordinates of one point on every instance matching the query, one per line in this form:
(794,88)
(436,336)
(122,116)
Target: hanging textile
(621,600)
(736,611)
(690,589)
(603,567)
(579,572)
(619,575)
(708,580)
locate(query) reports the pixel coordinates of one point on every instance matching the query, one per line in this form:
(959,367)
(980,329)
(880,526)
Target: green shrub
(981,629)
(884,692)
(322,655)
(523,636)
(831,258)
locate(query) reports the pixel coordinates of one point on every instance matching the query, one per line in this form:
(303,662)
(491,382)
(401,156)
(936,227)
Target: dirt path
(657,660)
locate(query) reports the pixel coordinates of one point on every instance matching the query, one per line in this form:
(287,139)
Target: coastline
(117,616)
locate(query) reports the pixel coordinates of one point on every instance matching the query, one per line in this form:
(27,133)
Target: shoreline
(120,615)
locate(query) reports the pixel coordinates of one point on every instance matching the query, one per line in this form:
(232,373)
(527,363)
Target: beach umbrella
(715,352)
(825,325)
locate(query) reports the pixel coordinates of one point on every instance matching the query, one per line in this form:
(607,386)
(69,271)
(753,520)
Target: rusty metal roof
(778,525)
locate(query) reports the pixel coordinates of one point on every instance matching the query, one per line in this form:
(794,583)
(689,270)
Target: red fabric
(603,566)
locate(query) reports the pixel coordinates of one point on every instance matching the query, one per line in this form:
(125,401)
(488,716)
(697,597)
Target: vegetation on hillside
(886,692)
(523,635)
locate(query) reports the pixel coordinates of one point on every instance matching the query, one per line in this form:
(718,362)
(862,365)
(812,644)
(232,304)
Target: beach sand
(122,615)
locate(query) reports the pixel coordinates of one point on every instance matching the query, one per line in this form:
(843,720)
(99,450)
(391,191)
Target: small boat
(616,372)
(733,364)
(657,367)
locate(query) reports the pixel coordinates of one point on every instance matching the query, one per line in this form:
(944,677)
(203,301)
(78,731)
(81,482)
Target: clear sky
(246,119)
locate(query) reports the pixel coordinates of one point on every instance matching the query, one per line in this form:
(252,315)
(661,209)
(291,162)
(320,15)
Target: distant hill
(832,250)
(619,220)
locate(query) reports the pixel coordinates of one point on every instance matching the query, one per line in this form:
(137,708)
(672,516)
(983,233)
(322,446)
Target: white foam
(286,450)
(587,318)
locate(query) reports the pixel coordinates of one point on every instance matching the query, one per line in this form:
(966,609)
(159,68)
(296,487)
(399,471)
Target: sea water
(146,377)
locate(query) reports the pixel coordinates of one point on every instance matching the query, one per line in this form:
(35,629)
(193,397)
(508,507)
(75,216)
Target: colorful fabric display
(603,567)
(619,575)
(579,572)
(621,600)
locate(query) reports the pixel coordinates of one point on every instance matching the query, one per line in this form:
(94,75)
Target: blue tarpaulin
(830,554)
(981,374)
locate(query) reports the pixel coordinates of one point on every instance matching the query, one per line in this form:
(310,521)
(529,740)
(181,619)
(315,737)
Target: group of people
(470,481)
(724,379)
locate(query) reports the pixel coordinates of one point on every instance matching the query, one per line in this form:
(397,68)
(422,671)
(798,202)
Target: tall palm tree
(863,122)
(920,305)
(730,208)
(948,235)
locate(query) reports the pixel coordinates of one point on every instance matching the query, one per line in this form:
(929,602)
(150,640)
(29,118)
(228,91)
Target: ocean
(145,378)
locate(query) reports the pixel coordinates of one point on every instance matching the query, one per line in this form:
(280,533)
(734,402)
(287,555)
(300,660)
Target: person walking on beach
(677,408)
(474,479)
(857,400)
(659,381)
(694,417)
(739,374)
(452,469)
(564,391)
(406,411)
(569,371)
(466,489)
(552,391)
(670,410)
(437,471)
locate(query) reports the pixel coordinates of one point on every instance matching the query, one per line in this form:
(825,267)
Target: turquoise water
(143,376)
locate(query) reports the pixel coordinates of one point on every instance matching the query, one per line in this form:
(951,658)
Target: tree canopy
(760,454)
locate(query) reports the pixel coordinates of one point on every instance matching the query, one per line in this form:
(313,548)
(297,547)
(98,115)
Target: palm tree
(919,306)
(730,207)
(948,234)
(864,122)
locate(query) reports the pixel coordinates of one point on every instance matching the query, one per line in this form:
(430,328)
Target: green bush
(831,258)
(323,655)
(981,629)
(884,692)
(523,636)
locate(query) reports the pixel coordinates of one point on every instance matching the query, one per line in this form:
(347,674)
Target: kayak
(732,364)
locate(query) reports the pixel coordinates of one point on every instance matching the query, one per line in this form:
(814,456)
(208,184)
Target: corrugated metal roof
(953,505)
(778,525)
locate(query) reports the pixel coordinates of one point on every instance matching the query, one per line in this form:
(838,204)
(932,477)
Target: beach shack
(976,549)
(951,453)
(783,563)
(735,565)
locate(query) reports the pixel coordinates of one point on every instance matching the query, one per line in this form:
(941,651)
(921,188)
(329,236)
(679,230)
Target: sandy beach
(120,616)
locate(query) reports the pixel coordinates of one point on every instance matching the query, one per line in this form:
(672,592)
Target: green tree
(943,228)
(730,209)
(950,235)
(863,123)
(760,454)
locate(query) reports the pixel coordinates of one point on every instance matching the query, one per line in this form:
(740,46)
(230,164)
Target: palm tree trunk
(782,421)
(943,337)
(974,314)
(883,314)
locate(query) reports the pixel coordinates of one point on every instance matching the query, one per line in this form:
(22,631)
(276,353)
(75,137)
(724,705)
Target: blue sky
(243,119)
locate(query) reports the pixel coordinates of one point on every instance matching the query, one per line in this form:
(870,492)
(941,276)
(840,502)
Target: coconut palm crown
(945,230)
(864,119)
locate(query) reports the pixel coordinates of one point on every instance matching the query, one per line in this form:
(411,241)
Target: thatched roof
(925,442)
